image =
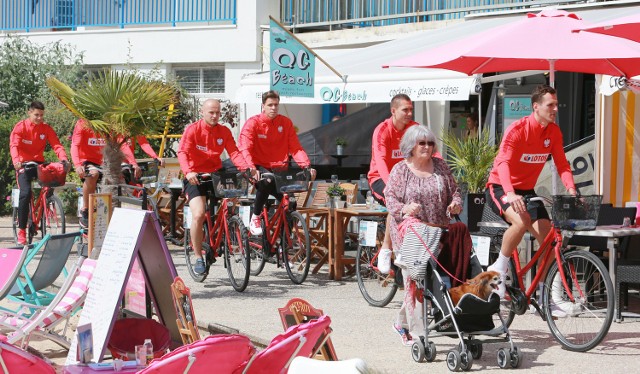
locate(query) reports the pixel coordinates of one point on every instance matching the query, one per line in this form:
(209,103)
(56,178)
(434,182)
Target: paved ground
(363,331)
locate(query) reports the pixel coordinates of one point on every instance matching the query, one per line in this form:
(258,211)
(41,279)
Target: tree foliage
(24,67)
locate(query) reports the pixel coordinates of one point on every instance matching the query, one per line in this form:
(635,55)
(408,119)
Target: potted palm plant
(335,194)
(470,161)
(340,144)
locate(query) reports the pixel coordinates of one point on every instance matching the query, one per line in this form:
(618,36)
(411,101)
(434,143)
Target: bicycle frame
(39,208)
(276,223)
(550,250)
(214,228)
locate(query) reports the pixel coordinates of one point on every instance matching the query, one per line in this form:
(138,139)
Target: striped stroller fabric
(420,242)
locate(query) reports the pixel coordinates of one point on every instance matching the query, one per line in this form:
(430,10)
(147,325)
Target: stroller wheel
(503,358)
(431,351)
(466,360)
(418,352)
(453,360)
(516,357)
(476,350)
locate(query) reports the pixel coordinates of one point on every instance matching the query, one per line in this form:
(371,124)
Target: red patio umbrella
(625,27)
(542,41)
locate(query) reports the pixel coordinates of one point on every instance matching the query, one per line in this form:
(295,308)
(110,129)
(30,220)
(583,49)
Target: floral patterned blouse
(433,194)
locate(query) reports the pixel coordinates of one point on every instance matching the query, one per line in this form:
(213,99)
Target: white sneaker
(384,260)
(254,225)
(565,309)
(502,287)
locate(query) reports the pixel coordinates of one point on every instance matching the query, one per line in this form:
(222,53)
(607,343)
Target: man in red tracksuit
(385,153)
(86,150)
(200,148)
(26,143)
(266,141)
(525,148)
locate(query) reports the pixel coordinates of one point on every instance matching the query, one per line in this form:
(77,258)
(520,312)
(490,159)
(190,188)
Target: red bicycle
(224,233)
(284,229)
(46,214)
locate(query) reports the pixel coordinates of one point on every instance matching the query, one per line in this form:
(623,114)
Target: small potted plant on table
(335,194)
(340,144)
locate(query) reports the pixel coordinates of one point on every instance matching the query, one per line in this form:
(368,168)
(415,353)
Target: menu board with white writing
(107,285)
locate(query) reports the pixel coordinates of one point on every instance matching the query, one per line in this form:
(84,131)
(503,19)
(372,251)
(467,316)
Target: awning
(368,82)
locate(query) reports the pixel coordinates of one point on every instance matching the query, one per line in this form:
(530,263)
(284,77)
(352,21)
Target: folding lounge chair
(16,360)
(54,250)
(11,261)
(43,323)
(213,354)
(299,340)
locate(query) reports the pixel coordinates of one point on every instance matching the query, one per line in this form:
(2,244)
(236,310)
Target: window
(201,80)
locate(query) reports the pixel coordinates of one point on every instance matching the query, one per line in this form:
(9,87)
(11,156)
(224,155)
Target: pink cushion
(19,361)
(213,354)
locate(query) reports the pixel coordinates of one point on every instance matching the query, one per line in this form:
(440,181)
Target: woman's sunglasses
(429,143)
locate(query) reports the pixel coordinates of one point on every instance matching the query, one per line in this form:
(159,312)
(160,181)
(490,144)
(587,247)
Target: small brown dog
(482,286)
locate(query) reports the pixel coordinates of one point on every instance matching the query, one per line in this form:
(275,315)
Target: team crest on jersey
(97,142)
(534,158)
(41,136)
(279,128)
(201,148)
(547,142)
(396,153)
(219,141)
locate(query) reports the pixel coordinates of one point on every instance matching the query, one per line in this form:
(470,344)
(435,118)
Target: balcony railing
(330,14)
(28,15)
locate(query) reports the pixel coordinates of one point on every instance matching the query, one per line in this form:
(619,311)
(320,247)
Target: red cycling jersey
(201,146)
(27,142)
(385,150)
(144,145)
(268,143)
(525,147)
(86,146)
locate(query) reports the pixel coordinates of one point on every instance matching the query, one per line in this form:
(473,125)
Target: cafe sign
(292,64)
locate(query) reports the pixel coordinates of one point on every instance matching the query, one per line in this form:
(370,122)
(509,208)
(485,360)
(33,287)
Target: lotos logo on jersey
(547,142)
(539,158)
(262,136)
(97,142)
(396,153)
(201,148)
(219,141)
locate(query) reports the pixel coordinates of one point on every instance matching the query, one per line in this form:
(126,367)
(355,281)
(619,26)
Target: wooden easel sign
(100,207)
(299,311)
(186,321)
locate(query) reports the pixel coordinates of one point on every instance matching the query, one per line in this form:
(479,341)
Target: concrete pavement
(360,330)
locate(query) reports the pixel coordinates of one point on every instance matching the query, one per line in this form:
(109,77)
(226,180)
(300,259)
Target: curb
(216,328)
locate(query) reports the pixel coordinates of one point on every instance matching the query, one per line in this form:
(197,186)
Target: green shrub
(7,173)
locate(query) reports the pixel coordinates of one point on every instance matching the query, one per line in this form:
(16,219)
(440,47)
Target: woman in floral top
(421,187)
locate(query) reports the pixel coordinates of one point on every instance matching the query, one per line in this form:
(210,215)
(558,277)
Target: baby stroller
(471,321)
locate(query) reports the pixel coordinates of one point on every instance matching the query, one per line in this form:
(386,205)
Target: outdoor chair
(44,323)
(11,262)
(16,360)
(214,354)
(317,216)
(304,340)
(54,252)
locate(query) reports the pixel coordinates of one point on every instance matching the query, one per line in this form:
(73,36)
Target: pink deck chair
(70,297)
(16,360)
(214,354)
(304,339)
(11,261)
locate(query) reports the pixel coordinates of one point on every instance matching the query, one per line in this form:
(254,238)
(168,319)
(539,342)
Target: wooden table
(339,219)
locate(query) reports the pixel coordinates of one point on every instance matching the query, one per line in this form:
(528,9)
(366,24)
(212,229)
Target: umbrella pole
(554,172)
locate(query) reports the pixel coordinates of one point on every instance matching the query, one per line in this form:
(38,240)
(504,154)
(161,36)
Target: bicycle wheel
(377,289)
(236,254)
(581,325)
(190,257)
(53,221)
(296,249)
(259,245)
